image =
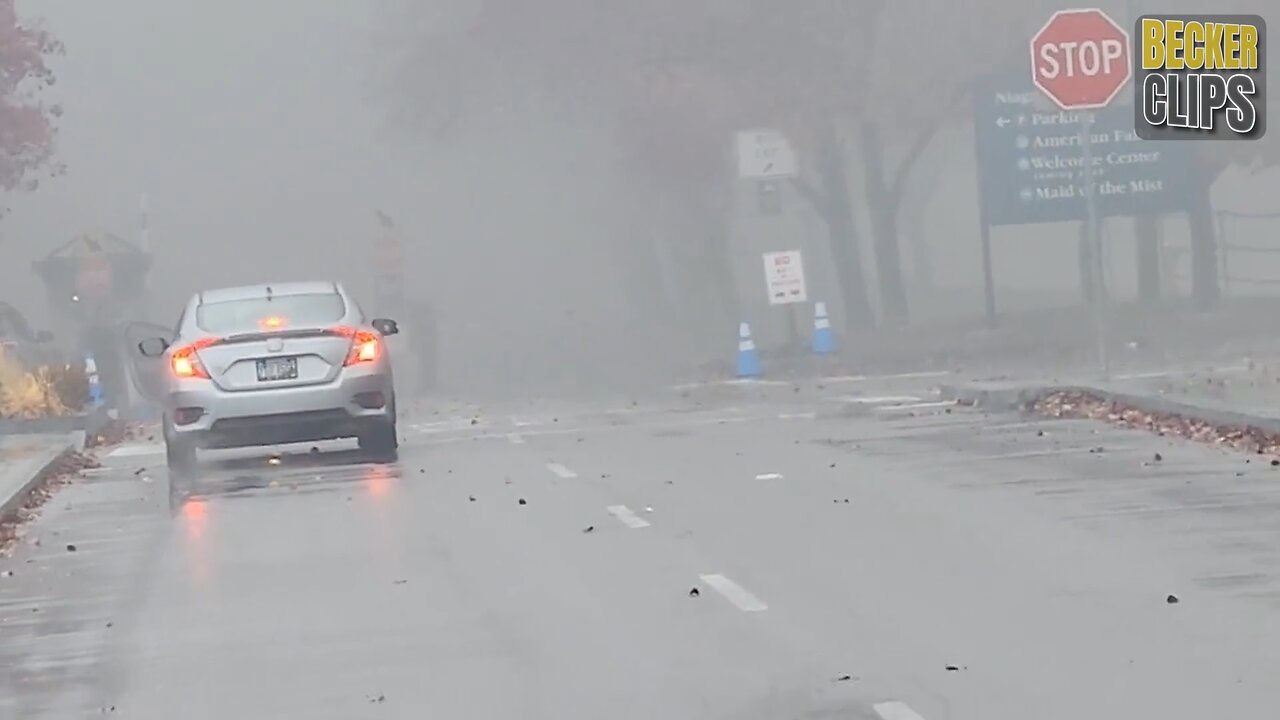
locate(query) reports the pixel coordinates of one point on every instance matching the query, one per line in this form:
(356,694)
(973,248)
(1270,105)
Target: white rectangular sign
(784,277)
(764,154)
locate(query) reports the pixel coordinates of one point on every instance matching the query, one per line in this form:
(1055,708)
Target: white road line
(895,376)
(516,439)
(881,400)
(896,711)
(734,381)
(1045,453)
(916,406)
(136,450)
(797,416)
(734,593)
(561,470)
(627,517)
(769,476)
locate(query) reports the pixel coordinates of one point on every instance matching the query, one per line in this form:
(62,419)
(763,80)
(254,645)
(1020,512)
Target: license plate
(273,369)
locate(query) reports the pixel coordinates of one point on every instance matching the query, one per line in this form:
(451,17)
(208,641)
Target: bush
(40,393)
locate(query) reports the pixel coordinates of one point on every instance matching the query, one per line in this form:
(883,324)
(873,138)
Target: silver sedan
(275,364)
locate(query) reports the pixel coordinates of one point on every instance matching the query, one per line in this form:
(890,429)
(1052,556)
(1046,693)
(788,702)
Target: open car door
(148,374)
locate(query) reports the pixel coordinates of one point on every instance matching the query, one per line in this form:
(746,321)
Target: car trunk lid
(275,359)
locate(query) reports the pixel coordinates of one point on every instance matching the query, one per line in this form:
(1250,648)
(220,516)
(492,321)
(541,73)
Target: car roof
(248,292)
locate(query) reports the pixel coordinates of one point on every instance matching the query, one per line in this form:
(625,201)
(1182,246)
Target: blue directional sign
(1031,161)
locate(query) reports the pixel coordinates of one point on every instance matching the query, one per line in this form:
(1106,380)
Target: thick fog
(267,135)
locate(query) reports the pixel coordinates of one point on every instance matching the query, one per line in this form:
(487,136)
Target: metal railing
(1251,235)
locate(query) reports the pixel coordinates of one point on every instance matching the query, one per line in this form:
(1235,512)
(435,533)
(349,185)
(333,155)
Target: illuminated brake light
(274,322)
(365,347)
(185,362)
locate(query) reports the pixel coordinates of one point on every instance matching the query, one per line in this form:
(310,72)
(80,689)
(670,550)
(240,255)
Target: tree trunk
(921,258)
(1146,232)
(883,204)
(837,210)
(1205,291)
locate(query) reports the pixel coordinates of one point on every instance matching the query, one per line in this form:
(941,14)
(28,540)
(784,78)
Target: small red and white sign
(1081,59)
(784,277)
(94,277)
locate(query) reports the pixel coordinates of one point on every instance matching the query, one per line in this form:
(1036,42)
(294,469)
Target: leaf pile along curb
(1085,405)
(58,475)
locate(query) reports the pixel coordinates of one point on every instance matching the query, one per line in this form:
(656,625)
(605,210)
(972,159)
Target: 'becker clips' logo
(1200,77)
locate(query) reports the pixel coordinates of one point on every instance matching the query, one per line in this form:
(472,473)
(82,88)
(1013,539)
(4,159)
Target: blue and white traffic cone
(748,357)
(823,341)
(95,383)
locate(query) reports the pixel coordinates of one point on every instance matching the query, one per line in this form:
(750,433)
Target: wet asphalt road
(1032,558)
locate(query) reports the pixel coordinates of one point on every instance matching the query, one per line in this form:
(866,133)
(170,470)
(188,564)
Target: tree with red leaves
(26,123)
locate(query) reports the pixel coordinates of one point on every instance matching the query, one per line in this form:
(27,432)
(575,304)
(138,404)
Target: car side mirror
(153,347)
(385,326)
(44,336)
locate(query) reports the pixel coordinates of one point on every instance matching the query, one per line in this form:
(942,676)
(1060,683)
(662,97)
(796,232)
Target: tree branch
(922,140)
(815,197)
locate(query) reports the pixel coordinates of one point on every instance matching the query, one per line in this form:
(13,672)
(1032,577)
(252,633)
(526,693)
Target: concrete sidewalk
(25,460)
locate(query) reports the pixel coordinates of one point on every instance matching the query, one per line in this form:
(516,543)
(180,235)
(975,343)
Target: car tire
(381,441)
(179,455)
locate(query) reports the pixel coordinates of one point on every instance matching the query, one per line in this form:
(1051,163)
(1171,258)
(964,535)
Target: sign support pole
(1094,242)
(988,279)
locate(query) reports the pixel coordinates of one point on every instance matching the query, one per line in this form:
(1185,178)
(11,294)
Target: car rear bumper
(342,408)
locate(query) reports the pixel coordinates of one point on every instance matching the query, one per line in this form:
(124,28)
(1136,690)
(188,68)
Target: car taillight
(365,347)
(185,362)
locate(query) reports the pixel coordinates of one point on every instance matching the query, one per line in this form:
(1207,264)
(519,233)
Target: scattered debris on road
(589,529)
(523,502)
(71,548)
(844,678)
(1172,600)
(693,592)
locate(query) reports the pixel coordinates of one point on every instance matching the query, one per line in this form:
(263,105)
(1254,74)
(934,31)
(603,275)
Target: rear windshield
(282,311)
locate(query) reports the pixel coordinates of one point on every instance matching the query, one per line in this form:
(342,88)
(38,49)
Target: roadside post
(1081,60)
(765,158)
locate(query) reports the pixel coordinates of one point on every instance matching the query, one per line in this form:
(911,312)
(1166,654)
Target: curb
(1021,398)
(37,470)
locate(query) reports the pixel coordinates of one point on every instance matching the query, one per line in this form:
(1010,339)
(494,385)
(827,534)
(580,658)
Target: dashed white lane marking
(916,406)
(896,711)
(734,593)
(136,450)
(797,416)
(626,517)
(561,470)
(769,476)
(516,439)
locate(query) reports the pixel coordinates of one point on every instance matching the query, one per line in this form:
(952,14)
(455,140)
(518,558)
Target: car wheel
(180,456)
(381,442)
